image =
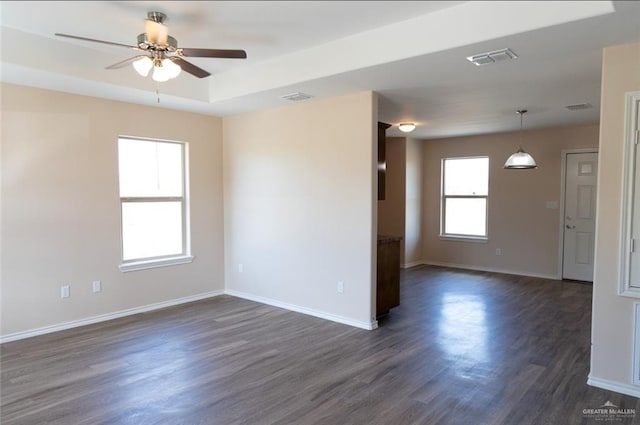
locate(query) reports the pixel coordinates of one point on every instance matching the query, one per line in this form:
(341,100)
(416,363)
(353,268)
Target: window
(465,188)
(153,203)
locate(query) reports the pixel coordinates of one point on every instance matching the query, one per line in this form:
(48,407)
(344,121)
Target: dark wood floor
(463,348)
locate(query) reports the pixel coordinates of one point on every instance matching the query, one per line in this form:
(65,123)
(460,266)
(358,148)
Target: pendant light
(520,160)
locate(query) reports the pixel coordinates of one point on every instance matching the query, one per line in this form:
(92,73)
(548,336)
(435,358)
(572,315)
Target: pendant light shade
(520,160)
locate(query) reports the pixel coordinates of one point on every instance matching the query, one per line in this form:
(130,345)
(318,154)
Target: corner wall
(612,327)
(61,209)
(300,208)
(400,214)
(413,202)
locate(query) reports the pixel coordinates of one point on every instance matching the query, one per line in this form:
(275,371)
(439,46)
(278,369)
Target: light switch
(552,205)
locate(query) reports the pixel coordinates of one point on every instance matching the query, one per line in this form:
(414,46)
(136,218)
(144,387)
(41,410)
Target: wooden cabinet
(382,158)
(388,274)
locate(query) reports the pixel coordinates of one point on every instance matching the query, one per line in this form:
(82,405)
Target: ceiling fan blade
(213,53)
(125,62)
(97,41)
(190,68)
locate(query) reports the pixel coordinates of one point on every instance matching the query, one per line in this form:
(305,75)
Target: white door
(579,215)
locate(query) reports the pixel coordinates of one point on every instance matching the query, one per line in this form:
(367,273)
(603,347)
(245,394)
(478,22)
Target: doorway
(580,176)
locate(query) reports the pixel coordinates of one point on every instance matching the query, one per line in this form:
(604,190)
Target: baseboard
(304,310)
(108,316)
(413,264)
(618,387)
(491,269)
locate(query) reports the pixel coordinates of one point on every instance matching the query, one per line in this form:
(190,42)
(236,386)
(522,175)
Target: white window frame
(164,260)
(443,203)
(629,243)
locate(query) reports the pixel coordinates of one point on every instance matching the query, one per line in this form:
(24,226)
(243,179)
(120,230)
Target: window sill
(477,239)
(152,264)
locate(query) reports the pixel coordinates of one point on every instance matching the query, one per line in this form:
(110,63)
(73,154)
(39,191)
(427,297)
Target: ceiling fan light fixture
(160,74)
(171,68)
(157,33)
(406,127)
(157,46)
(143,66)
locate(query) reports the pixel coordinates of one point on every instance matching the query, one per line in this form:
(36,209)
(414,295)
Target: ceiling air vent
(578,106)
(491,57)
(295,97)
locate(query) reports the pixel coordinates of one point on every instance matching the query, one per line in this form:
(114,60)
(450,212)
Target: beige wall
(391,211)
(612,329)
(299,206)
(414,205)
(60,207)
(400,214)
(518,222)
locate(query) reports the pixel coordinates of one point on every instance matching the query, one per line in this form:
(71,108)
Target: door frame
(563,183)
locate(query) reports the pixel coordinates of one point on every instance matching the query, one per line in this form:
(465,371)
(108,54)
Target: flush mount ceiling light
(520,160)
(406,127)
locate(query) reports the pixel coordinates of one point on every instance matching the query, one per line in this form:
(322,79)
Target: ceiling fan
(160,51)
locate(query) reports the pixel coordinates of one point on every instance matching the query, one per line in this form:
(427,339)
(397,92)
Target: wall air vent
(578,106)
(492,57)
(295,97)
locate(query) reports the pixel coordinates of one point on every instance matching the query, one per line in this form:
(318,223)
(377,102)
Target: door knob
(569,226)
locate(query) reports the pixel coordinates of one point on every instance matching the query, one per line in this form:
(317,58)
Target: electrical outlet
(97,286)
(498,251)
(65,291)
(340,287)
(240,268)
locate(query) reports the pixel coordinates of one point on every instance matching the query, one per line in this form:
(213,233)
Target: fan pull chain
(158,91)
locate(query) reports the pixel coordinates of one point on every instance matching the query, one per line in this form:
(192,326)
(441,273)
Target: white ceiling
(411,52)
